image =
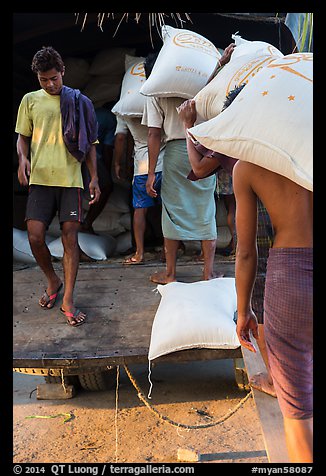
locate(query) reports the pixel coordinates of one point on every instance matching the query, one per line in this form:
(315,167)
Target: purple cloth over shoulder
(79,123)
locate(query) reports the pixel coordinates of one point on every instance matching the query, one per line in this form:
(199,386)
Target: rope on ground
(183,425)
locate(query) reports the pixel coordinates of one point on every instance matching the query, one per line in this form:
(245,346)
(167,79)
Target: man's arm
(91,163)
(246,254)
(24,167)
(120,146)
(154,147)
(201,165)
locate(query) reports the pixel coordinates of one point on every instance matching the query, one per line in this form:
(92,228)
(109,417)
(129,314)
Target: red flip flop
(74,319)
(49,301)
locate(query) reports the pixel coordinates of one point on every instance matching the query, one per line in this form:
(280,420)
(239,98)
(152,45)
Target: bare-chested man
(205,162)
(288,293)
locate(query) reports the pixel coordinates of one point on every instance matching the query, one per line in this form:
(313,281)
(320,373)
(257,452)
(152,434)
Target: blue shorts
(140,198)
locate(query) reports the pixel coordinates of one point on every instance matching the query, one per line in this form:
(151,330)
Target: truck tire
(70,380)
(98,380)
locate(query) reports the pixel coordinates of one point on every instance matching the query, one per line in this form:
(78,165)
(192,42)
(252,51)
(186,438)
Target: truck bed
(120,302)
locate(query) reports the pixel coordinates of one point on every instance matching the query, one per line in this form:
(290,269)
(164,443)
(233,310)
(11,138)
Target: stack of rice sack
(103,83)
(112,226)
(76,72)
(270,121)
(115,219)
(130,104)
(105,75)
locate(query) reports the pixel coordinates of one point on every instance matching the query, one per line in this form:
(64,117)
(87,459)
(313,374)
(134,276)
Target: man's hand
(117,169)
(245,324)
(24,171)
(150,185)
(94,191)
(225,58)
(187,113)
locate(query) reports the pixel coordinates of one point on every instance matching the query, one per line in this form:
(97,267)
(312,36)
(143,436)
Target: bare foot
(160,277)
(260,382)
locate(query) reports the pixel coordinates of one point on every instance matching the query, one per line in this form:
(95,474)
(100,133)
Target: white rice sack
(270,122)
(76,72)
(101,89)
(221,213)
(259,48)
(110,61)
(21,248)
(247,59)
(184,64)
(131,102)
(126,221)
(195,315)
(223,236)
(95,246)
(119,199)
(124,242)
(210,100)
(56,248)
(108,222)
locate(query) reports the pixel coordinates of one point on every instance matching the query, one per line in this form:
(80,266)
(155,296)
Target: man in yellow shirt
(53,172)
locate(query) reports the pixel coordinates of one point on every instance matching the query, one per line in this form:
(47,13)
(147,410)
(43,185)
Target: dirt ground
(115,426)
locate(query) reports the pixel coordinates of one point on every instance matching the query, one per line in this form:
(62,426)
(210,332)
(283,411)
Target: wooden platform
(269,412)
(120,302)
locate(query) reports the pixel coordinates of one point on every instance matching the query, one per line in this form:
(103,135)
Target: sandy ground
(115,426)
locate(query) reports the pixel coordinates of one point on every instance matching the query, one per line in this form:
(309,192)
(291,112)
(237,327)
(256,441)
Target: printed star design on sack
(264,93)
(291,98)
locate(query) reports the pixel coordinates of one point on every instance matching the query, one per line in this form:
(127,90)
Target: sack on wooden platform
(119,200)
(95,246)
(22,252)
(124,242)
(194,315)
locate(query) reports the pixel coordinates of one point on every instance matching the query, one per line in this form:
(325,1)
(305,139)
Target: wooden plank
(269,412)
(120,302)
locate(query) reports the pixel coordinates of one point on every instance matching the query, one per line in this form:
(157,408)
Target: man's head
(47,64)
(149,63)
(232,95)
